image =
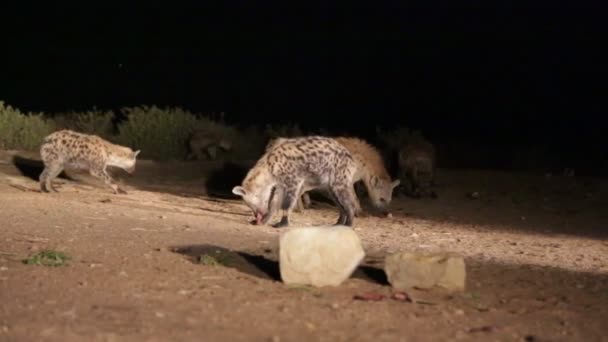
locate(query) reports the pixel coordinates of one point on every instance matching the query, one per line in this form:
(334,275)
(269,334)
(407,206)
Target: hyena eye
(383,200)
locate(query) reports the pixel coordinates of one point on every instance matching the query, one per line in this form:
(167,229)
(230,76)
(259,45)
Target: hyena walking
(417,167)
(291,166)
(71,149)
(371,170)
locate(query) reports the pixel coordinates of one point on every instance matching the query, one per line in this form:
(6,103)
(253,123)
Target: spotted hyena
(206,145)
(69,149)
(417,168)
(291,166)
(371,171)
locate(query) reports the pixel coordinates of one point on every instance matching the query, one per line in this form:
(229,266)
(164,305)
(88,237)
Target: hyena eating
(371,170)
(291,166)
(417,168)
(69,149)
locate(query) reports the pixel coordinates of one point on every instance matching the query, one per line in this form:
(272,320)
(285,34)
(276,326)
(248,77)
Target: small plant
(47,258)
(210,260)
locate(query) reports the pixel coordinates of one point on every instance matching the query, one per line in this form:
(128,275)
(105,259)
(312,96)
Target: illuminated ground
(536,252)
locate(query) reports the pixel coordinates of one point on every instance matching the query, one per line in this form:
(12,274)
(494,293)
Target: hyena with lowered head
(293,165)
(417,167)
(66,148)
(371,170)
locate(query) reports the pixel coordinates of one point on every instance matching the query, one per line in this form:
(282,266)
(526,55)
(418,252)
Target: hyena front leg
(291,192)
(100,172)
(358,210)
(50,172)
(345,198)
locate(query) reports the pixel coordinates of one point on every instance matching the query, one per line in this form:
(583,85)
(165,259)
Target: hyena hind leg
(49,173)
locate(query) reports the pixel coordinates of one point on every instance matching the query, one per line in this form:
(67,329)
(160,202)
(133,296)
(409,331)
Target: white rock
(319,256)
(406,270)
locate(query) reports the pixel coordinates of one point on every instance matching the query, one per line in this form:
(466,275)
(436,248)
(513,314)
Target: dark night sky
(497,74)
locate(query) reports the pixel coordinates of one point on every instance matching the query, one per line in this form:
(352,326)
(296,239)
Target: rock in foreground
(319,256)
(406,270)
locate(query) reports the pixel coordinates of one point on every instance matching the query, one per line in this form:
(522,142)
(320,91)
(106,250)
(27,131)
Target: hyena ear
(136,153)
(395,183)
(239,190)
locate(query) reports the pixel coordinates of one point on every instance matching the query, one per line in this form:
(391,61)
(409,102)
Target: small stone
(319,256)
(406,270)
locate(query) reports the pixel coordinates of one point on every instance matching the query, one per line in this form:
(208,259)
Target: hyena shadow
(32,168)
(220,182)
(262,265)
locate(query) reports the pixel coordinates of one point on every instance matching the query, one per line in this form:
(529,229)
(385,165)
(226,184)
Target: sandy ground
(536,250)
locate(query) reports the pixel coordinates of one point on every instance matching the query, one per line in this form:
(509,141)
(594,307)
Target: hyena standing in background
(370,169)
(417,168)
(291,166)
(205,144)
(71,149)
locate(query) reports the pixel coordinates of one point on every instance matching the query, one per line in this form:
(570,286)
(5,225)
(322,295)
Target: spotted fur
(371,170)
(291,166)
(71,149)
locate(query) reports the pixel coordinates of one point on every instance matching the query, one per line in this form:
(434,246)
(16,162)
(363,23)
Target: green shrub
(22,131)
(161,134)
(90,122)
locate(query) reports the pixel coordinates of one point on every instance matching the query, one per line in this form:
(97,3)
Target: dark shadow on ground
(485,199)
(32,168)
(259,265)
(220,182)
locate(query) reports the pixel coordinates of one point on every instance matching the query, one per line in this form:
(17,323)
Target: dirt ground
(536,249)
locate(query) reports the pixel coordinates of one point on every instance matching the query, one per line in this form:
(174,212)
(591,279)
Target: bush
(161,134)
(22,131)
(91,122)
